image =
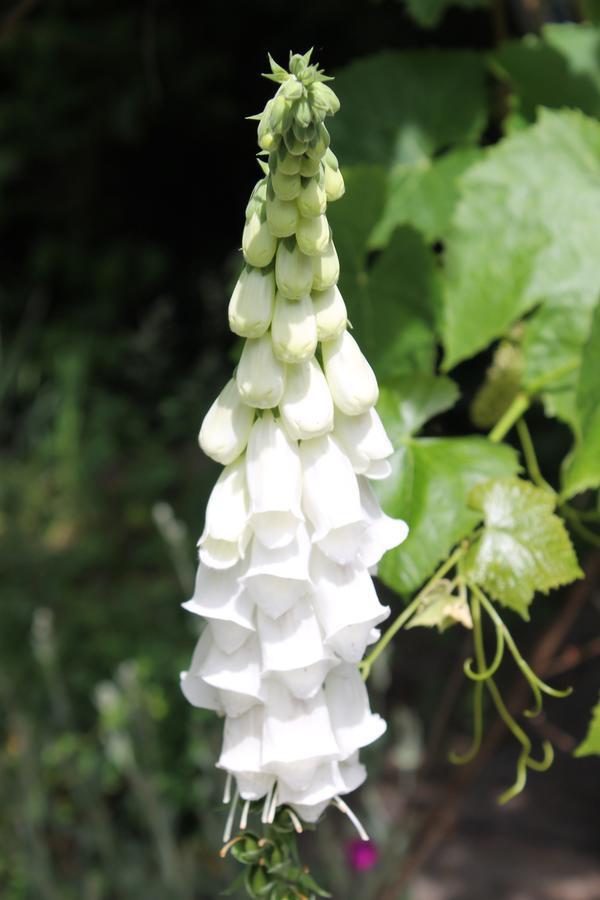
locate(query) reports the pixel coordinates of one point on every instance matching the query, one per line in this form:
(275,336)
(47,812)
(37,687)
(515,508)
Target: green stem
(406,613)
(516,409)
(531,460)
(477,690)
(577,525)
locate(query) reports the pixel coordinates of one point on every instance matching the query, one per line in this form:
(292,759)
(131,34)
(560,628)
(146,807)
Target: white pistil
(244,816)
(227,791)
(343,807)
(230,817)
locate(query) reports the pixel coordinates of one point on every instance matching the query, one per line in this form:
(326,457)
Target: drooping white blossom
(293,528)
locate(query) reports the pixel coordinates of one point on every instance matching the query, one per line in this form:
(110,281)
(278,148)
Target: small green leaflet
(523,548)
(591,745)
(440,608)
(582,468)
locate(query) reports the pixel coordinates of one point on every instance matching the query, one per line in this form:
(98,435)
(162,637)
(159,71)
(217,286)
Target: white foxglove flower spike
(293,528)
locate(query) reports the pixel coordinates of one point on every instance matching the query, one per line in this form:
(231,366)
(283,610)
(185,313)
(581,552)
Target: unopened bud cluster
(292,525)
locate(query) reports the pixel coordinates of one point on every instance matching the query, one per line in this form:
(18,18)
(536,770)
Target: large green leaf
(424,194)
(402,107)
(560,68)
(582,468)
(430,482)
(527,230)
(591,745)
(523,548)
(407,402)
(393,300)
(428,13)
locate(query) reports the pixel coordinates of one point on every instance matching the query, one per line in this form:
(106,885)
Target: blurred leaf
(393,301)
(501,385)
(407,402)
(429,486)
(560,68)
(428,13)
(509,247)
(440,609)
(582,468)
(424,194)
(591,745)
(524,547)
(402,107)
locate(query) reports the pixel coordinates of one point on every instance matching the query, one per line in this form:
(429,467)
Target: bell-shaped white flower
(383,533)
(347,606)
(306,406)
(329,779)
(274,477)
(226,531)
(297,736)
(330,313)
(195,690)
(312,199)
(292,649)
(293,270)
(313,235)
(258,244)
(220,595)
(226,426)
(241,753)
(251,305)
(260,377)
(276,579)
(237,676)
(294,329)
(350,377)
(326,268)
(331,498)
(282,217)
(366,443)
(353,723)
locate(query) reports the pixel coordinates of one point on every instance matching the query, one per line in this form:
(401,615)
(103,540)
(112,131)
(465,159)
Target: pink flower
(362,855)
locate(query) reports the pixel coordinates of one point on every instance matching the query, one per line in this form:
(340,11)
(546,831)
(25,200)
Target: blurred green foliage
(470,217)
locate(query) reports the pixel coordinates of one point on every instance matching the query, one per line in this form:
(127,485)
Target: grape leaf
(581,470)
(558,69)
(424,195)
(591,745)
(401,107)
(429,485)
(407,402)
(509,249)
(523,548)
(428,13)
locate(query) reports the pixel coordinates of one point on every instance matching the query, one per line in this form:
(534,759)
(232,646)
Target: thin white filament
(343,807)
(229,823)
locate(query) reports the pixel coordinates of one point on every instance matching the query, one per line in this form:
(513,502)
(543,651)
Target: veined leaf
(441,609)
(523,548)
(407,402)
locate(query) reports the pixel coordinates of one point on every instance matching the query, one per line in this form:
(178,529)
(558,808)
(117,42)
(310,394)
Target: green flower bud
(312,199)
(302,113)
(313,235)
(323,98)
(286,187)
(330,159)
(258,244)
(293,270)
(258,879)
(294,146)
(319,144)
(260,377)
(251,304)
(292,89)
(266,139)
(257,198)
(330,313)
(304,133)
(326,269)
(282,217)
(293,329)
(309,166)
(286,163)
(278,114)
(334,184)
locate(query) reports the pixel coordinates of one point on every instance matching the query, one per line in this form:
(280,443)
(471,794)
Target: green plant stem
(477,689)
(531,460)
(406,613)
(571,516)
(514,412)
